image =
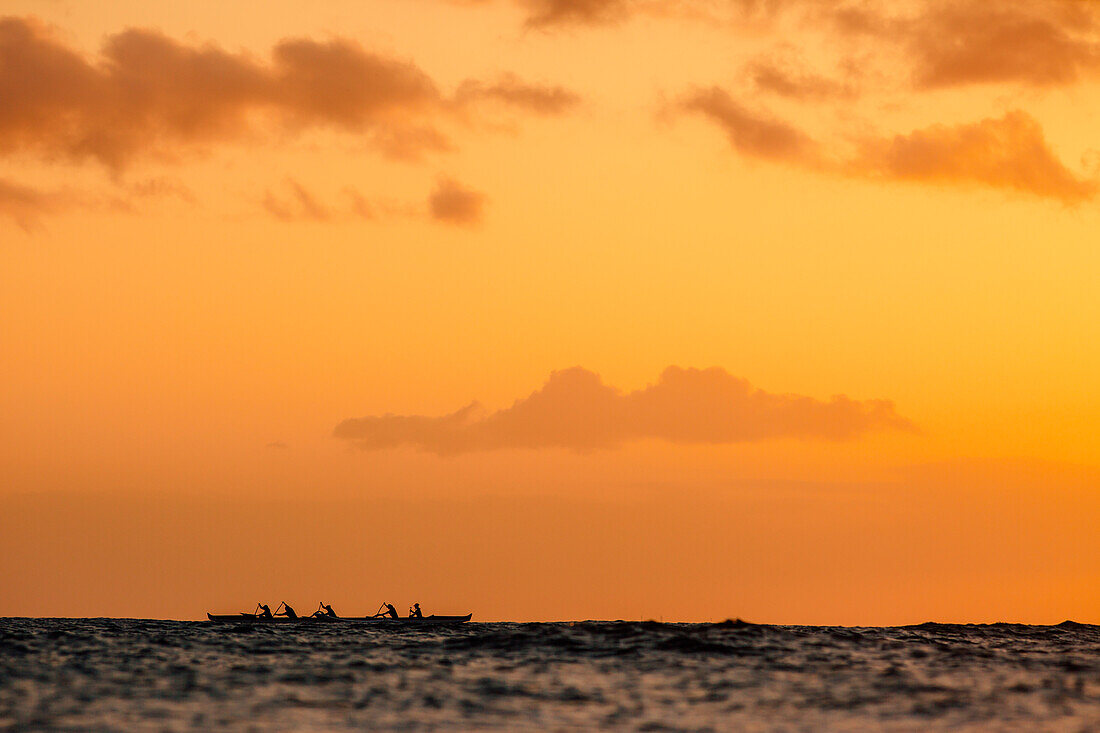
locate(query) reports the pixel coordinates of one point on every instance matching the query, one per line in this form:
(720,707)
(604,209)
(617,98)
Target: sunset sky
(784,310)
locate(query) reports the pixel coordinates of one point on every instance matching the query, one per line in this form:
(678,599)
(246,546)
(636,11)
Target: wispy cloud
(299,204)
(26,205)
(796,82)
(511,91)
(558,12)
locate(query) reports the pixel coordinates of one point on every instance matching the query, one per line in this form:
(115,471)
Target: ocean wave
(152,675)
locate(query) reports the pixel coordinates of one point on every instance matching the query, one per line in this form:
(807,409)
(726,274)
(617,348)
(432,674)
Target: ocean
(134,675)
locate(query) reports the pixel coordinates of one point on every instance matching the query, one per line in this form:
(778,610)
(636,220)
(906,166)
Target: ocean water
(105,674)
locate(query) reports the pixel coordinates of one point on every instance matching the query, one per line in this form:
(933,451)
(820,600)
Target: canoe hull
(247,618)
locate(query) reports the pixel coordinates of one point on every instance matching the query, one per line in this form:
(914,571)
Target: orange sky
(782,310)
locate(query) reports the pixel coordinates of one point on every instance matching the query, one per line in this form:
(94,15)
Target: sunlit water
(158,675)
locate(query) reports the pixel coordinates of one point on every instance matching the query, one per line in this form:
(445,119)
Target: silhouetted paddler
(390,611)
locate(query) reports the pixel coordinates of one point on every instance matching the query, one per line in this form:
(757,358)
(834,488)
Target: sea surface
(108,674)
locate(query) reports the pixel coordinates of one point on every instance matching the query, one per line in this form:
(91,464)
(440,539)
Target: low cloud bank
(575,409)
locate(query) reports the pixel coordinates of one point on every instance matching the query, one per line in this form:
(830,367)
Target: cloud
(512,91)
(449,203)
(453,203)
(783,79)
(575,409)
(148,94)
(945,42)
(151,92)
(1008,152)
(161,187)
(26,205)
(301,204)
(1036,42)
(551,13)
(360,206)
(542,13)
(295,202)
(750,133)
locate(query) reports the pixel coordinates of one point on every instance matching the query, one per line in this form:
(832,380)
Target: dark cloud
(1035,42)
(149,94)
(453,203)
(945,43)
(750,133)
(1008,152)
(575,409)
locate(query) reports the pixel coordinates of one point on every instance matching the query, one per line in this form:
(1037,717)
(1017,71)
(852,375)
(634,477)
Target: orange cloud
(1033,42)
(948,43)
(547,13)
(1008,152)
(770,75)
(449,203)
(750,133)
(301,204)
(26,205)
(148,93)
(557,12)
(512,91)
(453,203)
(575,409)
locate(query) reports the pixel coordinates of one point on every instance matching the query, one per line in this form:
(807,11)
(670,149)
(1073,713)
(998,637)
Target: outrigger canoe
(248,618)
